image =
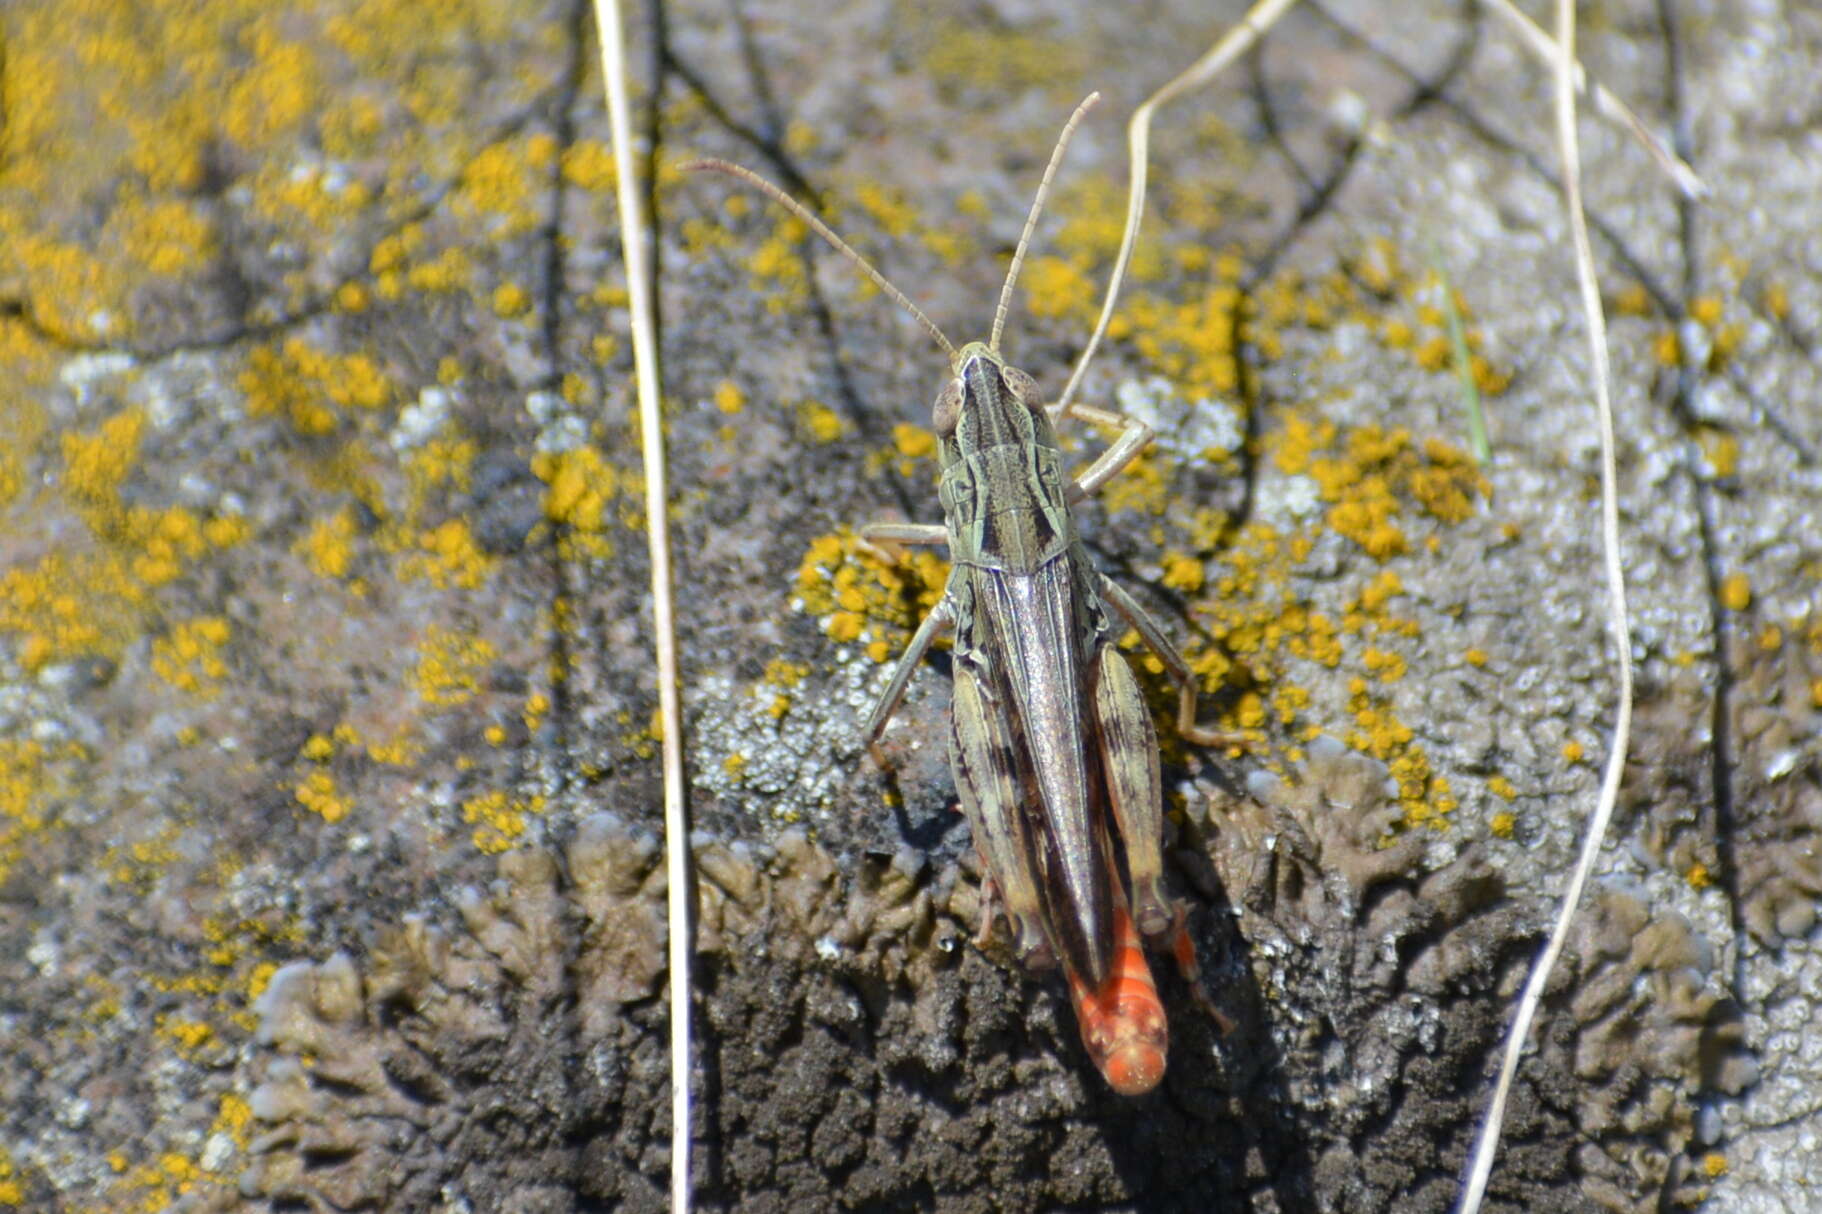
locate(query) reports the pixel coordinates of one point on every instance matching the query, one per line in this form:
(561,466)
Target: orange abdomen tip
(1123,1025)
(1134,1068)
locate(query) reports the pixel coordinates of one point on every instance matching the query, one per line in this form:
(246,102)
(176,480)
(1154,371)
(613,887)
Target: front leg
(905,533)
(941,616)
(880,540)
(1134,435)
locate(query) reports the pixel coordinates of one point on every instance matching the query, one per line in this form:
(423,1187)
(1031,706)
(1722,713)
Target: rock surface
(329,870)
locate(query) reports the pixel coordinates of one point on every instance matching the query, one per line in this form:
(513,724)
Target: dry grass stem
(1487,1143)
(1240,39)
(657,522)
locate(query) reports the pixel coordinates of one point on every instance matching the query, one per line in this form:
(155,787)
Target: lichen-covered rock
(508,1051)
(1394,968)
(486,1050)
(487,1053)
(324,585)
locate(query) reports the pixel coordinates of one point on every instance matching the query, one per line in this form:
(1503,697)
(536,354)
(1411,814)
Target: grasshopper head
(980,379)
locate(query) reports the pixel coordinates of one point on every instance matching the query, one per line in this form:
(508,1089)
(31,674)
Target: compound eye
(948,409)
(1024,389)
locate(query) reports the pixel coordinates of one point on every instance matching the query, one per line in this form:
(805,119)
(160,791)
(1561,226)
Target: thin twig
(1234,43)
(1605,103)
(1241,38)
(1487,1144)
(651,426)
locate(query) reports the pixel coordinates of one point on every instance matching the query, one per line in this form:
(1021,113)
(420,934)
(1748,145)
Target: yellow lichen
(777,270)
(1057,286)
(850,589)
(276,94)
(782,672)
(300,382)
(1183,572)
(189,1035)
(65,607)
(1365,481)
(188,657)
(913,442)
(511,300)
(329,547)
(1142,486)
(1705,310)
(1633,300)
(450,270)
(317,793)
(887,207)
(96,464)
(1721,448)
(589,165)
(450,665)
(401,750)
(1777,301)
(505,184)
(1005,61)
(580,483)
(443,462)
(449,556)
(499,820)
(1390,667)
(819,422)
(12,1192)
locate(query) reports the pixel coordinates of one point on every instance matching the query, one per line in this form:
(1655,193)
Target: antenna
(1031,220)
(822,229)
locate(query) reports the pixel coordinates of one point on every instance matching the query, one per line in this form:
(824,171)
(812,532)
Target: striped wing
(1032,619)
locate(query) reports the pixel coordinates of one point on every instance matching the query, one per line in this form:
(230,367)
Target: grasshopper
(1049,728)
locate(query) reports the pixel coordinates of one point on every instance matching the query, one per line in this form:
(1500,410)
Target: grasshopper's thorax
(1002,480)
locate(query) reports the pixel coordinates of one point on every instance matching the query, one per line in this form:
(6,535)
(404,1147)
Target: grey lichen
(1652,1039)
(1388,964)
(1777,733)
(1399,965)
